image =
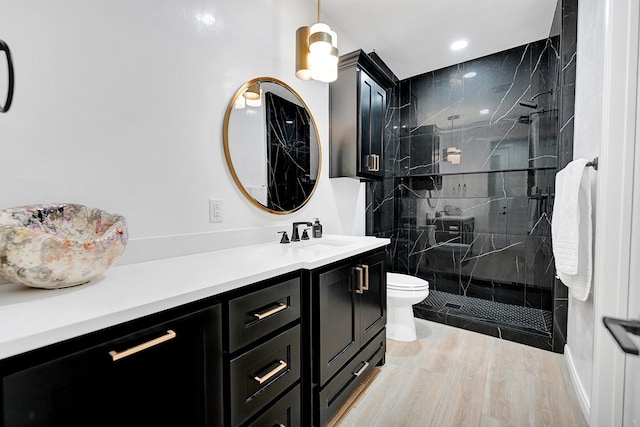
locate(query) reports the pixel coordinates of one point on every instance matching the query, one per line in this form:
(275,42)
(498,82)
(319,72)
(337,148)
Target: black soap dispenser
(316,229)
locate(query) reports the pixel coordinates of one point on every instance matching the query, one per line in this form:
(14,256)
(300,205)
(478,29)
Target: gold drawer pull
(360,289)
(361,370)
(117,356)
(281,367)
(366,277)
(271,312)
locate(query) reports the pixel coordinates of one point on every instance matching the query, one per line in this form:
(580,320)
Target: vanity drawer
(338,390)
(261,374)
(255,315)
(285,412)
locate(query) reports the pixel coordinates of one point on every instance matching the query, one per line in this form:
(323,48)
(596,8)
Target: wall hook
(593,163)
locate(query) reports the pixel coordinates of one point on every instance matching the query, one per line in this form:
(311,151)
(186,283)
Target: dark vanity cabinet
(358,103)
(156,371)
(349,316)
(264,356)
(285,351)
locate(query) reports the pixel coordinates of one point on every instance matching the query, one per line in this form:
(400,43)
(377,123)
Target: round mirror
(271,145)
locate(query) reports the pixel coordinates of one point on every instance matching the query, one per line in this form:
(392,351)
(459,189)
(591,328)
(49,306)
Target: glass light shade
(320,40)
(240,103)
(254,102)
(323,67)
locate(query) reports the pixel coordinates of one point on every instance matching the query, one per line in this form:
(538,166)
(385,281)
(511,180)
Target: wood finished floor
(454,377)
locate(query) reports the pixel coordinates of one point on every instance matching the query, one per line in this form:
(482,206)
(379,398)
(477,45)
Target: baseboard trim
(581,393)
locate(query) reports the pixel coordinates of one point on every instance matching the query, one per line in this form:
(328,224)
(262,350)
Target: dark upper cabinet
(357,106)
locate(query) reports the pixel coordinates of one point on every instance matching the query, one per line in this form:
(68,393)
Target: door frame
(615,179)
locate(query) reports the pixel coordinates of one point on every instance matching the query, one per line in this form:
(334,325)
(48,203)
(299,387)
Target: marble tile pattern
(290,181)
(504,179)
(58,245)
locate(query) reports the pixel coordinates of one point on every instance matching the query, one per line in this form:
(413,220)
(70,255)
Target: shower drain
(452,305)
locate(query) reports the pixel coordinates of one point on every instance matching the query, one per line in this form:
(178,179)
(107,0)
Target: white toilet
(402,292)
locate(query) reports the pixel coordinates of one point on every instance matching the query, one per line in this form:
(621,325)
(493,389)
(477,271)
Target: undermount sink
(58,245)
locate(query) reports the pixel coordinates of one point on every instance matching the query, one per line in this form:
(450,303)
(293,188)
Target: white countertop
(32,318)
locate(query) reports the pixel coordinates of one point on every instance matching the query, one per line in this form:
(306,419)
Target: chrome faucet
(295,236)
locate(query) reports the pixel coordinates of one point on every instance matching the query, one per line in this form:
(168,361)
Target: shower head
(528,104)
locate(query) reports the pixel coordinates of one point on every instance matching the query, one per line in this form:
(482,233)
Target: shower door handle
(7,103)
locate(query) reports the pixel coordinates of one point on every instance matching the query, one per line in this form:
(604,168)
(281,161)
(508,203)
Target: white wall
(586,144)
(120,105)
(605,126)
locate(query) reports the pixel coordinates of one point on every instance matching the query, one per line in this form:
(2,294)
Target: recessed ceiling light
(470,74)
(460,44)
(485,111)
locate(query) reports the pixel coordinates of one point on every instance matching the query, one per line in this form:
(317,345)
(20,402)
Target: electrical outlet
(215,210)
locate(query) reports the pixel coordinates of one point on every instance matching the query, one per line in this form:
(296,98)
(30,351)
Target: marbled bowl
(58,245)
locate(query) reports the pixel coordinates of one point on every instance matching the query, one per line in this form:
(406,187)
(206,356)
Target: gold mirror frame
(227,152)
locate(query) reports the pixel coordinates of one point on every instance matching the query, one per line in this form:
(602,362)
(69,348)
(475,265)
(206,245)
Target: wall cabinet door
(372,110)
(168,374)
(357,108)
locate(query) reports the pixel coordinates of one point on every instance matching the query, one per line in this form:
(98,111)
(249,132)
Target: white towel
(571,228)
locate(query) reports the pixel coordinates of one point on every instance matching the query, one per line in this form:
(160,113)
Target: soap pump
(316,228)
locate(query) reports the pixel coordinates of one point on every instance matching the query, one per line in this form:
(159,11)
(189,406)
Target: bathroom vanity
(267,334)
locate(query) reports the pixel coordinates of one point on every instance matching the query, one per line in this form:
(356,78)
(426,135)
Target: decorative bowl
(58,245)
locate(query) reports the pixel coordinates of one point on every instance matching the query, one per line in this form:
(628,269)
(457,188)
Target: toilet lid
(406,282)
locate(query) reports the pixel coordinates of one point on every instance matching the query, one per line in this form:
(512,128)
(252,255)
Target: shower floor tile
(508,315)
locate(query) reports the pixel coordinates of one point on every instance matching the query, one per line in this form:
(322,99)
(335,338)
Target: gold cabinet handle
(282,365)
(366,277)
(121,355)
(271,312)
(360,285)
(361,370)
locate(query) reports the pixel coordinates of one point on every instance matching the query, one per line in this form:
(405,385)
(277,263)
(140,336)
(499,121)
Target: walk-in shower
(476,225)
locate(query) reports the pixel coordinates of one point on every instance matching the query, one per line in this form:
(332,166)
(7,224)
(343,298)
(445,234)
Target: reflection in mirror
(271,145)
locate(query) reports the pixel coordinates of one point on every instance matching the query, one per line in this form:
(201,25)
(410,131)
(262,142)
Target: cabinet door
(372,111)
(373,300)
(336,320)
(174,379)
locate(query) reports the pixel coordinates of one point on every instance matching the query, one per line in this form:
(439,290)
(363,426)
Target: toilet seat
(403,282)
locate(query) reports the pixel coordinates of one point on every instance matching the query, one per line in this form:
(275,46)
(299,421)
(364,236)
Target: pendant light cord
(318,11)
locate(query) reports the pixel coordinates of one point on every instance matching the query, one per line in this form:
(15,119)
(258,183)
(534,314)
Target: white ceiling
(413,36)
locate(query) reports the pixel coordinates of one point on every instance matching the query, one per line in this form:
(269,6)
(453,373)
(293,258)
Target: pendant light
(253,95)
(317,52)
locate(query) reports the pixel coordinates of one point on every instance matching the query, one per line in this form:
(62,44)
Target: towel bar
(593,163)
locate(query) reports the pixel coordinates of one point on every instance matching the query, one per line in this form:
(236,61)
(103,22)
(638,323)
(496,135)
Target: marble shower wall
(567,17)
(469,176)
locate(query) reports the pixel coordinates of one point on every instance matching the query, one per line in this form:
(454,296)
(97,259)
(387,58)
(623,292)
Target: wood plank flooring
(454,377)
